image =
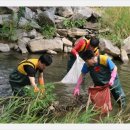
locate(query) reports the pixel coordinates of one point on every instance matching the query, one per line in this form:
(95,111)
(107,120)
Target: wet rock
(48,17)
(55,44)
(108,47)
(4,47)
(5,18)
(127,45)
(124,56)
(65,11)
(77,32)
(67,42)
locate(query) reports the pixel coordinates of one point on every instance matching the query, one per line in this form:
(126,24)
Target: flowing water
(54,73)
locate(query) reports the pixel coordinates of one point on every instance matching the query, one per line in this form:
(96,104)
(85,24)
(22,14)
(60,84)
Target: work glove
(76,91)
(42,90)
(36,89)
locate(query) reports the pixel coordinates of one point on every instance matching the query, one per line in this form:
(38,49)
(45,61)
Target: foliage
(74,23)
(48,31)
(117,19)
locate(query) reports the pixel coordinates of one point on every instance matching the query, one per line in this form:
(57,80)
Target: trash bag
(101,98)
(72,76)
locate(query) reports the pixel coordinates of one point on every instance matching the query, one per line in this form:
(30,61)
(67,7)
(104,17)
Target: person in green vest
(102,71)
(24,74)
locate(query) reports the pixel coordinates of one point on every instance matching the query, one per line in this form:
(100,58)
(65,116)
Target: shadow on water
(54,73)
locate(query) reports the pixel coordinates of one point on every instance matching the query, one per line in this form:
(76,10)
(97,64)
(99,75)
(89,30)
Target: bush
(48,31)
(74,23)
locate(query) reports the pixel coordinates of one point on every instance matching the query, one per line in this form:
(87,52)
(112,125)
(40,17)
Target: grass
(117,19)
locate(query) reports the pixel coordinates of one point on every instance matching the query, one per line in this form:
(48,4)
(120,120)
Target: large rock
(77,32)
(23,22)
(29,14)
(65,11)
(46,18)
(67,42)
(22,47)
(124,56)
(108,47)
(5,18)
(4,47)
(91,26)
(62,32)
(127,45)
(82,13)
(34,24)
(44,44)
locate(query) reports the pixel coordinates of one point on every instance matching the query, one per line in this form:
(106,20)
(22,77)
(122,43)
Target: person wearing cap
(24,74)
(102,71)
(81,45)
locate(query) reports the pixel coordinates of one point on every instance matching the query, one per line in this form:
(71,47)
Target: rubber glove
(77,87)
(113,76)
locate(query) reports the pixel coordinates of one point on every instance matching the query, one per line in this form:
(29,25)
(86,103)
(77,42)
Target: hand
(36,89)
(111,82)
(76,91)
(42,90)
(77,55)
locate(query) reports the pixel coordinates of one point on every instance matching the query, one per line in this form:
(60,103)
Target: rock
(22,47)
(29,14)
(4,47)
(62,32)
(48,17)
(14,9)
(65,11)
(5,10)
(51,52)
(82,13)
(5,18)
(91,26)
(21,33)
(23,22)
(24,40)
(126,45)
(108,47)
(124,56)
(11,45)
(39,36)
(67,42)
(32,34)
(59,21)
(77,32)
(67,49)
(34,24)
(55,44)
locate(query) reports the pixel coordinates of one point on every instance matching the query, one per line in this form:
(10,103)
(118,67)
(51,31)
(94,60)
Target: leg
(70,62)
(118,93)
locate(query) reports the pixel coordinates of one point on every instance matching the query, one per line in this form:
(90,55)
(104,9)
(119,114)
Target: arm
(78,85)
(84,71)
(113,70)
(40,78)
(33,83)
(77,47)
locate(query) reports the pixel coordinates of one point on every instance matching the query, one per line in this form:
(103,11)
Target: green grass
(117,19)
